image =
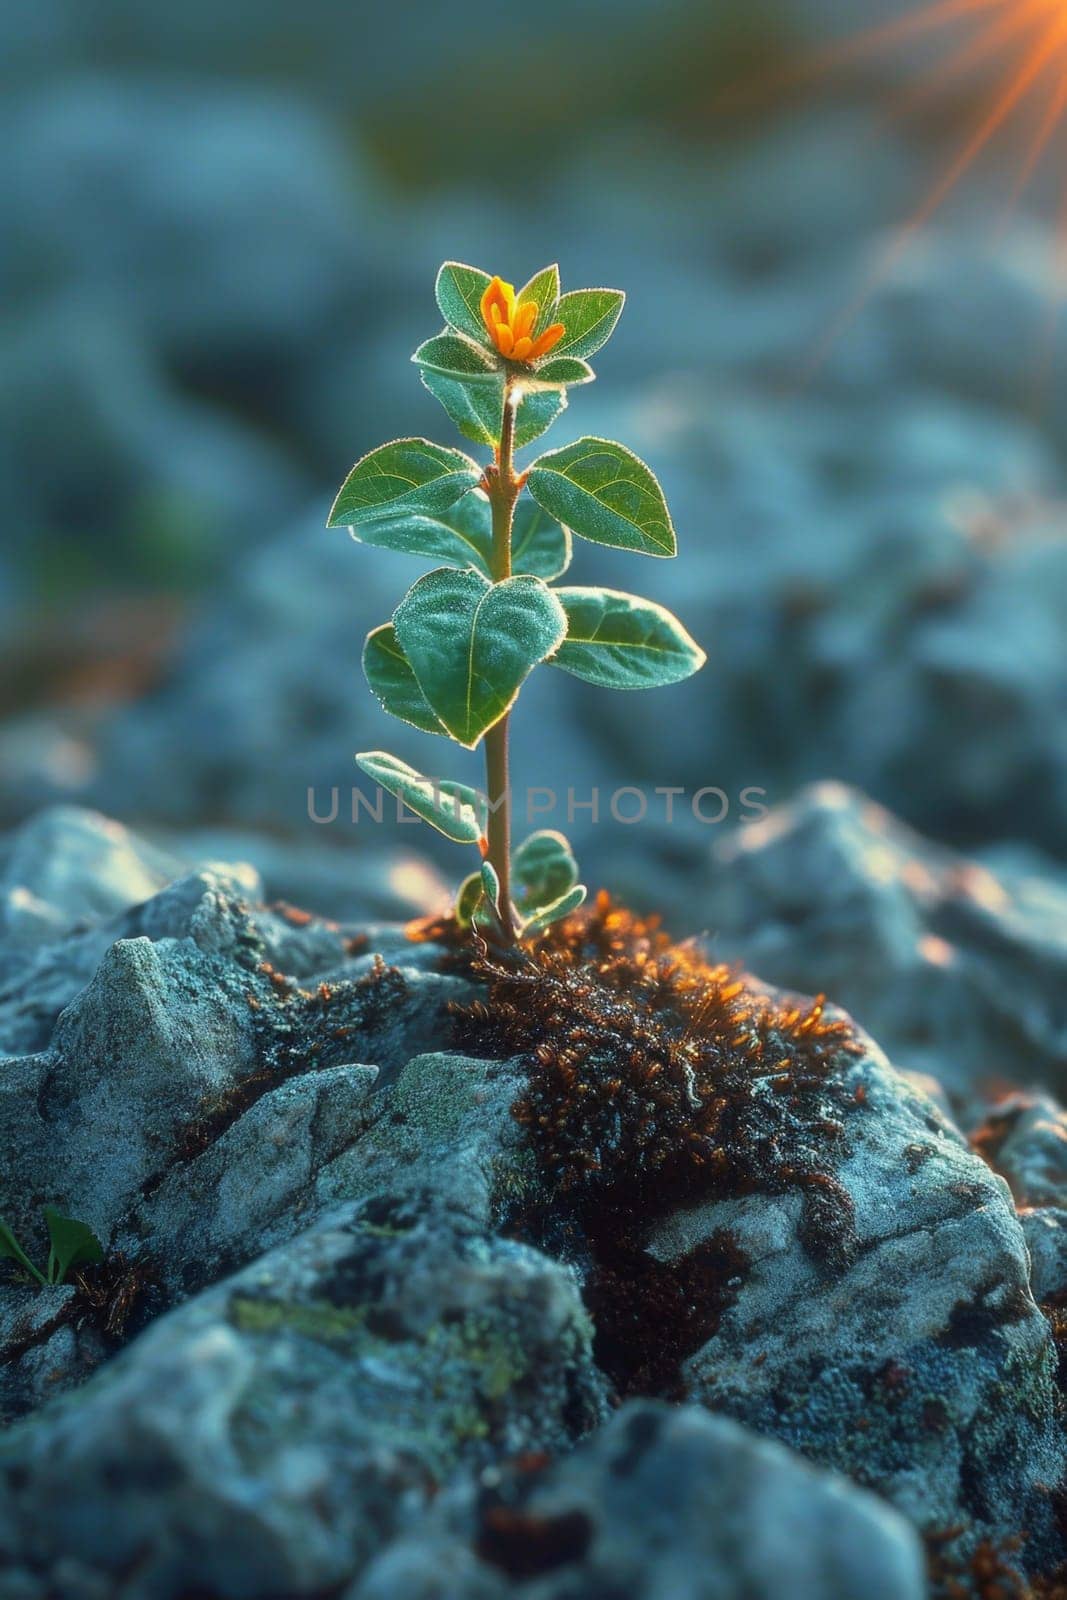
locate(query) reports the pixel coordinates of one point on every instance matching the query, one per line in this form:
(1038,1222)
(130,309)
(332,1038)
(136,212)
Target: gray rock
(257,1181)
(660,1502)
(1024,1137)
(73,883)
(184,1074)
(958,972)
(38,1347)
(268,1437)
(1045,1231)
(921,1367)
(445,1128)
(67,866)
(206,1078)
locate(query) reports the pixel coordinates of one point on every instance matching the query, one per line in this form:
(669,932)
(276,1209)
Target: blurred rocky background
(221,227)
(349,1371)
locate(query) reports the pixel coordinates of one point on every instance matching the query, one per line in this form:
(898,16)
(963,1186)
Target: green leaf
(477,409)
(460,537)
(406,475)
(11,1250)
(459,291)
(623,642)
(539,545)
(444,805)
(471,643)
(453,355)
(491,885)
(543,870)
(589,316)
(563,369)
(463,537)
(603,492)
(389,674)
(543,290)
(559,908)
(74,1244)
(470,892)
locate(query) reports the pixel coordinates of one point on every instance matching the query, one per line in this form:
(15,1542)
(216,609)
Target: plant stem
(503,493)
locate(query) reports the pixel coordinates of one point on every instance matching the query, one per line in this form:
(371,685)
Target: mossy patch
(656,1080)
(313,1319)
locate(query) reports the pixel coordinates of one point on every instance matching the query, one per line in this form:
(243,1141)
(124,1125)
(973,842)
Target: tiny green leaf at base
(73,1244)
(605,493)
(393,683)
(444,805)
(407,475)
(559,908)
(543,870)
(467,898)
(620,641)
(491,886)
(471,643)
(11,1250)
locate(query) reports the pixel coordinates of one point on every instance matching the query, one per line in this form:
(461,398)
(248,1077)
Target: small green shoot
(71,1244)
(464,639)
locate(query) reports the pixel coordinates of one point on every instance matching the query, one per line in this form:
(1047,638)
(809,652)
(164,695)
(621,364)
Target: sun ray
(1041,383)
(1018,86)
(1050,42)
(870,42)
(1054,113)
(981,48)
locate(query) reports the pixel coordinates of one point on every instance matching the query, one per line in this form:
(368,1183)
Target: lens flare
(1029,38)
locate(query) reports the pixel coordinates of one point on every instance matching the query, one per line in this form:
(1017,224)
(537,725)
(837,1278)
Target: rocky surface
(268,1436)
(958,969)
(895,1369)
(353,1334)
(1024,1136)
(351,1329)
(628,1513)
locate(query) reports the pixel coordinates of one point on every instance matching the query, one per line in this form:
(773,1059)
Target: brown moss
(517,1540)
(656,1080)
(991,1571)
(296,1031)
(525,1545)
(117,1296)
(985,1574)
(650,1314)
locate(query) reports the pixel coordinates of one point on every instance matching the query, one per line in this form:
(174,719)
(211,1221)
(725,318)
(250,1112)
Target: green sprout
(71,1244)
(466,636)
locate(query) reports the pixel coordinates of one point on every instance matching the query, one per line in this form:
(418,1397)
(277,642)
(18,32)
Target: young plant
(71,1244)
(467,635)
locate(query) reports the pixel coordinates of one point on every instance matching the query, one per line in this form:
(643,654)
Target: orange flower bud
(547,341)
(511,326)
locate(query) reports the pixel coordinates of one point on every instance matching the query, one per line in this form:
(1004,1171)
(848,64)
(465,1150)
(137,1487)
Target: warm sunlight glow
(1019,46)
